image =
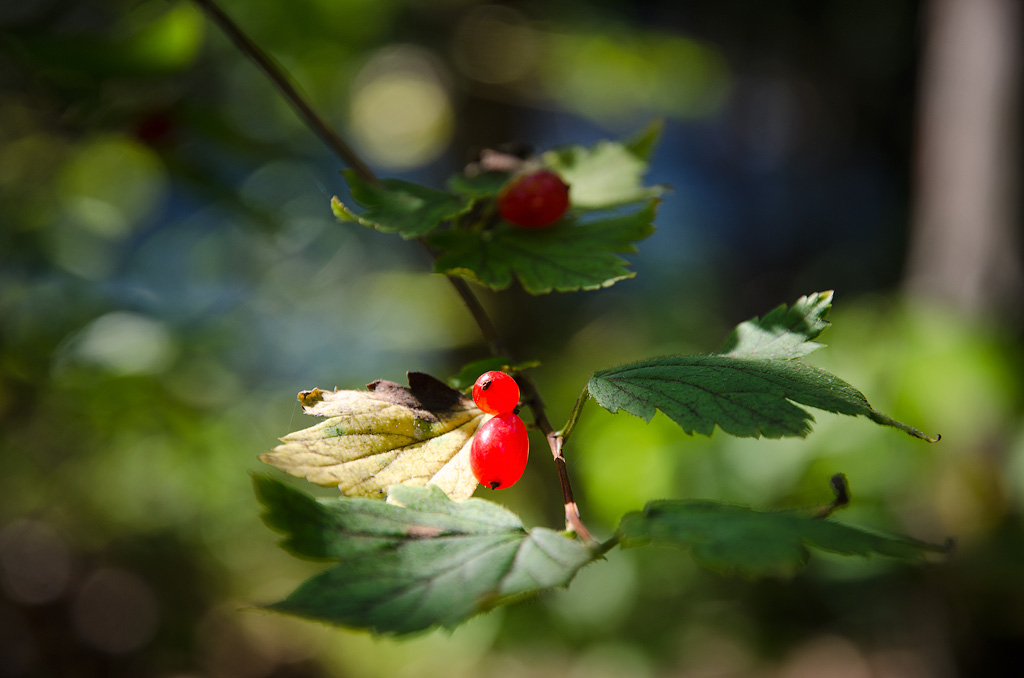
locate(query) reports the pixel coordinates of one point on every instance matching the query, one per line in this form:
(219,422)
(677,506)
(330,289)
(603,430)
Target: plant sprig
(345,153)
(432,555)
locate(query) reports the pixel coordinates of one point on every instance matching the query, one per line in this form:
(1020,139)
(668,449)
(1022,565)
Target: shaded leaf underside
(421,561)
(729,538)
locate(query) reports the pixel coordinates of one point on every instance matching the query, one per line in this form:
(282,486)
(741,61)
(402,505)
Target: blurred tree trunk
(964,244)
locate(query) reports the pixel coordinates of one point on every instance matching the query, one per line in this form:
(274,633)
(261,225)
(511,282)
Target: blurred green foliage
(171,275)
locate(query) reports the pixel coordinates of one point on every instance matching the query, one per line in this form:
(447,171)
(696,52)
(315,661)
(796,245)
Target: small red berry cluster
(501,446)
(534,200)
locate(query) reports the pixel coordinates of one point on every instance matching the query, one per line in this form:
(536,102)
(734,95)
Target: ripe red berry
(534,200)
(500,449)
(495,392)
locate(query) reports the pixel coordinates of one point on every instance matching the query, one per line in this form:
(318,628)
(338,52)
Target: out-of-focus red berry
(535,200)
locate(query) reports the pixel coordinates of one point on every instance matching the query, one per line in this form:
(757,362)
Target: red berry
(534,200)
(500,449)
(495,392)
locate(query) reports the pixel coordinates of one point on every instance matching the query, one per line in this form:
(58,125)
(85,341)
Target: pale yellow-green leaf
(604,175)
(386,435)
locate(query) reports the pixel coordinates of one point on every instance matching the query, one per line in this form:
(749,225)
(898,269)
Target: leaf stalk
(574,416)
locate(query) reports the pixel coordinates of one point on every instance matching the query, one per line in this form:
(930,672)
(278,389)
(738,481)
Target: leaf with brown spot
(387,435)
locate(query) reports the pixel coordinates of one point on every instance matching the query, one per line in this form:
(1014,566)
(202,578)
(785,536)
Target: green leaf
(743,392)
(423,561)
(397,206)
(567,257)
(605,175)
(386,435)
(643,143)
(743,397)
(786,332)
(480,186)
(729,538)
(470,372)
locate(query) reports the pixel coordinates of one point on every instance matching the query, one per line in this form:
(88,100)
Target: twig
(574,416)
(287,89)
(476,309)
(572,512)
(345,153)
(841,490)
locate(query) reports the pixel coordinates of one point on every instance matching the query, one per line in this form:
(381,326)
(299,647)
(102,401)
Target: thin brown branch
(476,309)
(572,511)
(288,91)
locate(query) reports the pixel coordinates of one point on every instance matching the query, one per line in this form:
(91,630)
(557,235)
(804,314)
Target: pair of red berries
(501,445)
(535,200)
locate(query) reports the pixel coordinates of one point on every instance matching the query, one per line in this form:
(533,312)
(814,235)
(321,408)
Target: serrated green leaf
(602,176)
(643,143)
(751,391)
(470,372)
(397,206)
(419,562)
(743,397)
(753,543)
(386,435)
(567,257)
(786,332)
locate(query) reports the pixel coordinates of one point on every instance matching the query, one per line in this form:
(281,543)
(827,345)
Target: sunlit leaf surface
(604,175)
(744,392)
(786,332)
(386,435)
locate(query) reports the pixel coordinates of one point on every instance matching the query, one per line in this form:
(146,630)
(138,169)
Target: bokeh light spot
(29,159)
(35,562)
(495,45)
(401,115)
(171,41)
(826,656)
(109,184)
(611,660)
(616,74)
(115,611)
(124,343)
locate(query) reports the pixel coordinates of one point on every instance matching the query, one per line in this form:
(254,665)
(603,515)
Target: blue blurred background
(171,275)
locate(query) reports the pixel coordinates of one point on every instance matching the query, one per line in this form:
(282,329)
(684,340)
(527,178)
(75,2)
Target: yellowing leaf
(386,435)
